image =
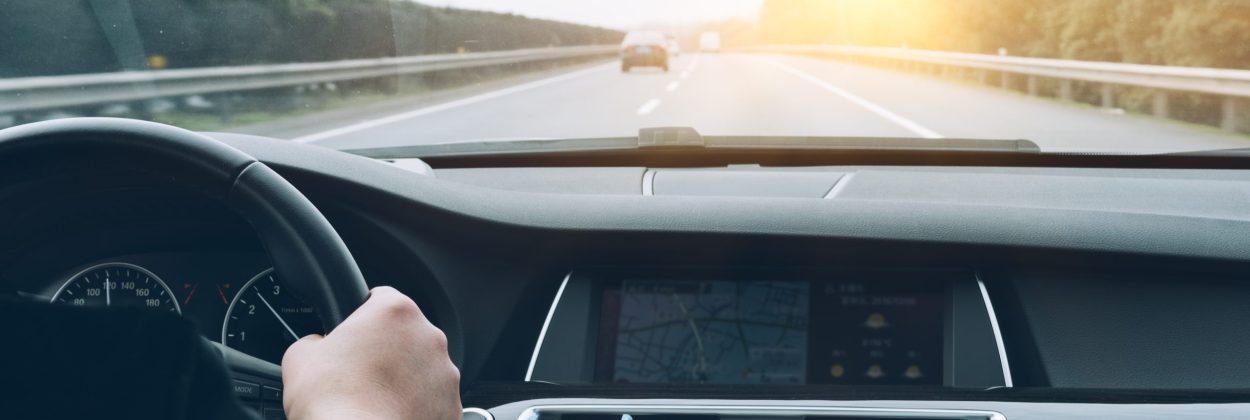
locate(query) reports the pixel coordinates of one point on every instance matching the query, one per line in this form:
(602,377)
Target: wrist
(343,413)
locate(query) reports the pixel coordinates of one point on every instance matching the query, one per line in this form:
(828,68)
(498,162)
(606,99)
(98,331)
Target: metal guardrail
(1227,83)
(50,92)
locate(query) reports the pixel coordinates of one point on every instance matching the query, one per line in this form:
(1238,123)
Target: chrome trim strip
(839,185)
(485,414)
(648,182)
(542,334)
(998,335)
(762,410)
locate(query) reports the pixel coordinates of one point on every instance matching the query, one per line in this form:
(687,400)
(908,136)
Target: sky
(617,14)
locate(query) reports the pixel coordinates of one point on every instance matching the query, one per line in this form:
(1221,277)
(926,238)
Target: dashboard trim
(481,412)
(648,182)
(542,334)
(532,413)
(839,185)
(998,335)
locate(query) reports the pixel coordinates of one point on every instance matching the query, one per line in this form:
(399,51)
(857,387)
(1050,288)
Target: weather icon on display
(876,321)
(837,370)
(913,372)
(874,372)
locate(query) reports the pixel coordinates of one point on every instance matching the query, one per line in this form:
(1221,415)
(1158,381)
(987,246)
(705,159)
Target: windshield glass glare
(1109,76)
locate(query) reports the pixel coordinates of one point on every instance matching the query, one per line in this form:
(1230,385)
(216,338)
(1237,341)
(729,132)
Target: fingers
(387,306)
(381,357)
(391,299)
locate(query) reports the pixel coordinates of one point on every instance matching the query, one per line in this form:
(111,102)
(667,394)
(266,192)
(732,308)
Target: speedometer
(266,317)
(117,284)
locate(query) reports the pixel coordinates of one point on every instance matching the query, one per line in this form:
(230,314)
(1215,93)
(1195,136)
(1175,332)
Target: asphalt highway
(749,94)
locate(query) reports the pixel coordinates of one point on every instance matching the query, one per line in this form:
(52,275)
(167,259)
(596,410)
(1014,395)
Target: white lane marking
(857,100)
(672,86)
(365,125)
(649,106)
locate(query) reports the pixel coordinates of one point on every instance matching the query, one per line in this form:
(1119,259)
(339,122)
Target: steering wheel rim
(300,242)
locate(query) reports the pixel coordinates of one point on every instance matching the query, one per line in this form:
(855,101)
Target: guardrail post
(1228,117)
(983,76)
(225,108)
(1159,107)
(1032,85)
(1108,96)
(1004,80)
(1065,90)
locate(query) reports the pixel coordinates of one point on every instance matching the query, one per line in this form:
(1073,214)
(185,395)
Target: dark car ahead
(644,49)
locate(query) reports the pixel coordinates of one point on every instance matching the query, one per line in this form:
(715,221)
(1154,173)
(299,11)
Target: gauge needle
(108,299)
(275,314)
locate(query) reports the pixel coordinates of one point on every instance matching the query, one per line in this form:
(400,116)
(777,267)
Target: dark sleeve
(62,362)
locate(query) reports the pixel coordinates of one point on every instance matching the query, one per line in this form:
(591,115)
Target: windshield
(1107,76)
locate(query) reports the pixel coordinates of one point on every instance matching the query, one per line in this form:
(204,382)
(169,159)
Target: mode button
(246,389)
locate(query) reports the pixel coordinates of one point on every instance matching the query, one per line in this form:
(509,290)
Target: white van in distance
(709,42)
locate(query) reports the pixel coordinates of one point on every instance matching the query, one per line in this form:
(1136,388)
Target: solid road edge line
(900,120)
(365,125)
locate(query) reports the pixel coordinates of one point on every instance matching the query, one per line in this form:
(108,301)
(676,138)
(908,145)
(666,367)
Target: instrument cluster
(236,299)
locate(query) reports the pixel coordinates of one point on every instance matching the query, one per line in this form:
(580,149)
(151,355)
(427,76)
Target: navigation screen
(771,332)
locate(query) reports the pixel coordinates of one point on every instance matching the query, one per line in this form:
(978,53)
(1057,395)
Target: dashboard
(844,291)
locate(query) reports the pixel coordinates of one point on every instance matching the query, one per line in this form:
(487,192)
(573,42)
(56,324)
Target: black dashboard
(921,292)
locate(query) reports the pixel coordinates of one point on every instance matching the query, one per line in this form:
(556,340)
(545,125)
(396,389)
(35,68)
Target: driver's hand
(384,362)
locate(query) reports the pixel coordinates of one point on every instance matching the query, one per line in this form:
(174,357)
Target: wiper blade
(689,138)
(873,144)
(1234,152)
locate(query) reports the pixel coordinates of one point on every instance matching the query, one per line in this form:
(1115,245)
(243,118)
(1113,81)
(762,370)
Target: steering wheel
(299,240)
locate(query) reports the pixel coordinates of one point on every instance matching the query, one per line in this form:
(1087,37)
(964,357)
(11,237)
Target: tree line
(1201,33)
(89,36)
(1194,33)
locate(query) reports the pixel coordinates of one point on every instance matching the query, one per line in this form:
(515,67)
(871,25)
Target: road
(749,94)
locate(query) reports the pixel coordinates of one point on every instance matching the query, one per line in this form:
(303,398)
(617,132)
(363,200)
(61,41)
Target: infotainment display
(743,331)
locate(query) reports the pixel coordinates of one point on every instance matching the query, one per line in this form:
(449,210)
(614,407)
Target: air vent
(745,412)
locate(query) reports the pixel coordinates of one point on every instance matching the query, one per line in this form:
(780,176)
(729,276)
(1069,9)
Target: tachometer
(265,318)
(117,284)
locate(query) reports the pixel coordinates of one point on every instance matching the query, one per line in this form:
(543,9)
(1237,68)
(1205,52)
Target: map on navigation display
(711,332)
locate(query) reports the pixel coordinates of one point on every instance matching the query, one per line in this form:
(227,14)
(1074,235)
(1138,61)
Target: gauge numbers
(265,318)
(117,284)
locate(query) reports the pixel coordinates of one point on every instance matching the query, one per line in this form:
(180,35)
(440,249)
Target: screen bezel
(566,353)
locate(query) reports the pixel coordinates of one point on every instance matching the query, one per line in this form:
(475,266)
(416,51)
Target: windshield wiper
(672,138)
(1233,152)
